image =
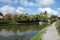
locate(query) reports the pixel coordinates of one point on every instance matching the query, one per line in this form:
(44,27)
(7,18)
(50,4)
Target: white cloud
(20,10)
(45,2)
(32,4)
(9,1)
(49,11)
(26,3)
(23,10)
(7,9)
(38,2)
(12,10)
(58,11)
(5,0)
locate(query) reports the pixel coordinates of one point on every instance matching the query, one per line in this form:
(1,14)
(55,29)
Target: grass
(38,35)
(58,26)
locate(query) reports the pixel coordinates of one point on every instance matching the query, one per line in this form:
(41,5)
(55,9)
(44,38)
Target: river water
(18,32)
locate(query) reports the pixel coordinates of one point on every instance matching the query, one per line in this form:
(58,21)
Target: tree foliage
(28,18)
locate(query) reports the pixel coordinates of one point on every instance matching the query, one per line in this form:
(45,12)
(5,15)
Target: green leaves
(27,17)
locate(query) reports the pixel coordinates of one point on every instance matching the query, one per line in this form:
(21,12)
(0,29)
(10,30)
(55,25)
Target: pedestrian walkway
(51,33)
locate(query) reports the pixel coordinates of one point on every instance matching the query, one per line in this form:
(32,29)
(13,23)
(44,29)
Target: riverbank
(48,33)
(58,26)
(39,34)
(15,23)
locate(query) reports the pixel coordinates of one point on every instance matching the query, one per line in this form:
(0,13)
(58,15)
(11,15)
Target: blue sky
(30,6)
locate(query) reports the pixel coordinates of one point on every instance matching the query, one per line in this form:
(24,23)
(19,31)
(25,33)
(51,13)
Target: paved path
(51,33)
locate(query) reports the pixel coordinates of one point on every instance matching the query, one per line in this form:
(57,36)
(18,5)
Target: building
(1,15)
(7,16)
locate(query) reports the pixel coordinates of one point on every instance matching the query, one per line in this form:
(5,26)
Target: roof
(1,14)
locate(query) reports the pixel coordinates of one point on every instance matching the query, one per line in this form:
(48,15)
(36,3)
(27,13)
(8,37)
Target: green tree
(45,16)
(22,17)
(14,17)
(37,17)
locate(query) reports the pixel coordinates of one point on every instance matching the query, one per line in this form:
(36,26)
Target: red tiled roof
(7,16)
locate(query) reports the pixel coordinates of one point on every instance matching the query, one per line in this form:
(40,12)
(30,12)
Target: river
(18,32)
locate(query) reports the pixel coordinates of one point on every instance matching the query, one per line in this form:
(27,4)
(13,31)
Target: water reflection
(21,28)
(9,35)
(18,32)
